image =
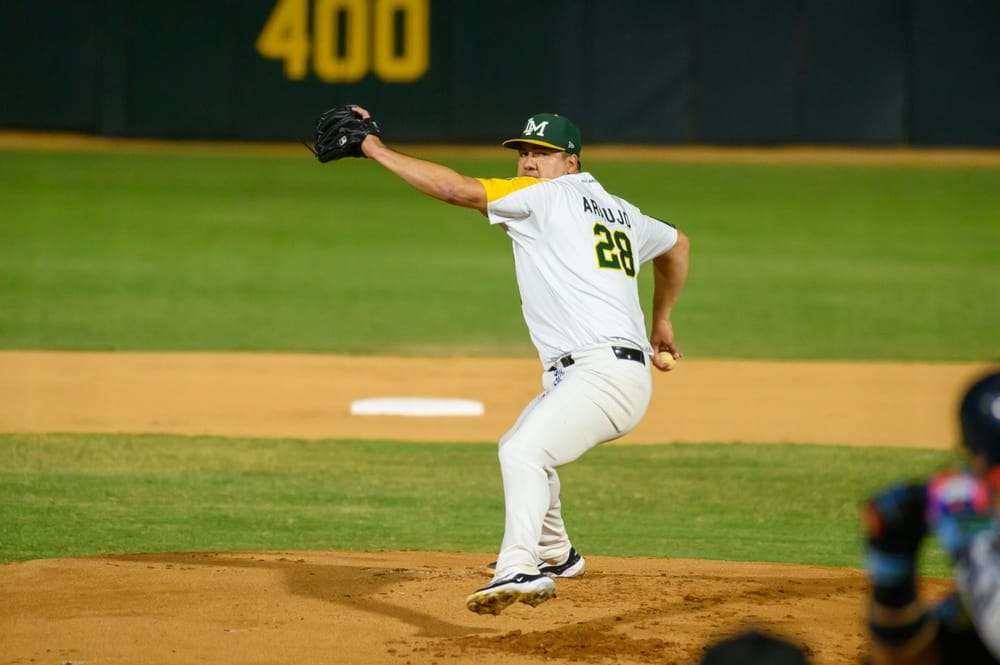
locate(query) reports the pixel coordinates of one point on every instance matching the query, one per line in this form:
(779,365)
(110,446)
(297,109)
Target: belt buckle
(562,363)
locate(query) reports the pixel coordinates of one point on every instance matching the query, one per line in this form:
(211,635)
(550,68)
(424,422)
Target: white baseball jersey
(977,577)
(577,252)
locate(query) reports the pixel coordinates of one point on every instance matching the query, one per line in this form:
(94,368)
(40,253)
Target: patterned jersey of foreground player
(577,250)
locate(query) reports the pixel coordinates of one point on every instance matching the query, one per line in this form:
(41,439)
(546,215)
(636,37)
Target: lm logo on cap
(532,128)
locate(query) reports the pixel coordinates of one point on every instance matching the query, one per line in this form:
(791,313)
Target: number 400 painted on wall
(349,39)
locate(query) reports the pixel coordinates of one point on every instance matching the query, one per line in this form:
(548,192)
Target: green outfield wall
(872,72)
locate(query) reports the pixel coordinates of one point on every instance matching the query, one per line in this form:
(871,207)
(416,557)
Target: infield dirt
(407,608)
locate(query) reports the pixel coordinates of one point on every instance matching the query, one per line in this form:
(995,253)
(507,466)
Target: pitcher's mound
(408,607)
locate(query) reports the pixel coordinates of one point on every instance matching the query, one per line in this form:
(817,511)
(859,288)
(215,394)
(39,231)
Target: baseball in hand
(668,359)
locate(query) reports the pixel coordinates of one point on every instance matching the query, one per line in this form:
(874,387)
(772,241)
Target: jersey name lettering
(613,215)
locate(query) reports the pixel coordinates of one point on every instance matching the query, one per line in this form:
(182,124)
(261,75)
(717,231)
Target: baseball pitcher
(577,252)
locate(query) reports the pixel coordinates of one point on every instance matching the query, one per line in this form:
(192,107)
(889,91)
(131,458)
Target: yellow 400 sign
(349,38)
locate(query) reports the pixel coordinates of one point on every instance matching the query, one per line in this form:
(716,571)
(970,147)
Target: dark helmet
(980,418)
(754,646)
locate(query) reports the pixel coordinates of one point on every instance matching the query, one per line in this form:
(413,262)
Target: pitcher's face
(540,162)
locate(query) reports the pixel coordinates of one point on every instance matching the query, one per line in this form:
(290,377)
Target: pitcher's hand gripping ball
(668,360)
(339,132)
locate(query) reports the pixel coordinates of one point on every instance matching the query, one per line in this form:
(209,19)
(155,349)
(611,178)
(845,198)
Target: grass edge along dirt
(86,494)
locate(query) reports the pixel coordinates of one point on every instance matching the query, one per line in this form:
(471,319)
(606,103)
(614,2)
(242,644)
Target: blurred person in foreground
(960,509)
(754,647)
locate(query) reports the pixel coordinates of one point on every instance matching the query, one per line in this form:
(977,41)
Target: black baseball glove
(338,133)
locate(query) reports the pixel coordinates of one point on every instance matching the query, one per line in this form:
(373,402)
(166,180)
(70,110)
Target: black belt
(621,352)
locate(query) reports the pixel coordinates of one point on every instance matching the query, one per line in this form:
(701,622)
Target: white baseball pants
(599,397)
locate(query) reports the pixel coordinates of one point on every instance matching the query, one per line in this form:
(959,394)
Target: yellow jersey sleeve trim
(497,188)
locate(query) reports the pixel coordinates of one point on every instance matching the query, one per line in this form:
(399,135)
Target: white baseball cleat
(573,566)
(518,587)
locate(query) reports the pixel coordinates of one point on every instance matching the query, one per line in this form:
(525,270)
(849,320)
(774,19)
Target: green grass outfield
(217,250)
(277,252)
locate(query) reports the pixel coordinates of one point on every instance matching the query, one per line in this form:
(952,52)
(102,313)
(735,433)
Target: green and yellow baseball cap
(550,130)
